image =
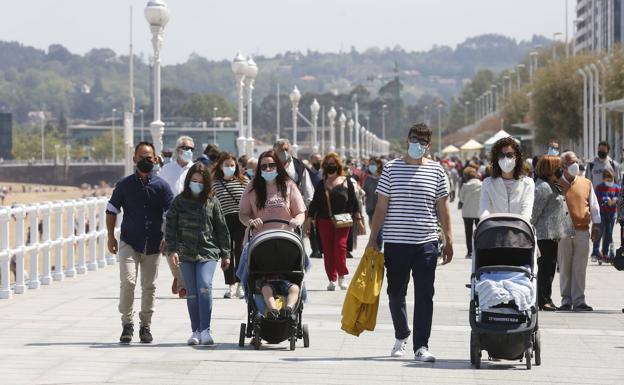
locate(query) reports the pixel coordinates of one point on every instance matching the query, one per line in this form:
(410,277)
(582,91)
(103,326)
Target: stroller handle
(282,221)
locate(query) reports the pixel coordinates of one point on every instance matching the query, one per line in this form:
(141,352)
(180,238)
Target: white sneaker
(423,355)
(229,292)
(240,293)
(206,338)
(194,338)
(342,284)
(331,286)
(398,350)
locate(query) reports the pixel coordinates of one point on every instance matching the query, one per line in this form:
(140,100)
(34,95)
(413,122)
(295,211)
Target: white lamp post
(250,73)
(142,124)
(383,121)
(520,68)
(239,67)
(350,125)
(295,96)
(42,118)
(113,130)
(342,120)
(157,15)
(357,129)
(331,114)
(315,108)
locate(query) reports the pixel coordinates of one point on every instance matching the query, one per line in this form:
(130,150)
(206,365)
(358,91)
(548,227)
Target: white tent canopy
(499,135)
(471,145)
(450,149)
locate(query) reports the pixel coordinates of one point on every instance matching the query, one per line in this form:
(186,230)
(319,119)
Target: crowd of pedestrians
(199,213)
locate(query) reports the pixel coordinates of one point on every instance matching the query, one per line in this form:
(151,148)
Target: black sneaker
(565,307)
(126,334)
(286,312)
(583,307)
(145,335)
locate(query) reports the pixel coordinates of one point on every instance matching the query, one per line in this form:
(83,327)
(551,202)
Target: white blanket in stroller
(502,287)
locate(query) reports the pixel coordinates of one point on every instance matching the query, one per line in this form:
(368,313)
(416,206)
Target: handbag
(340,220)
(618,261)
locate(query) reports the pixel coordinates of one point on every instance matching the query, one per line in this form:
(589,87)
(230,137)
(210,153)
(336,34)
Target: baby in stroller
(271,286)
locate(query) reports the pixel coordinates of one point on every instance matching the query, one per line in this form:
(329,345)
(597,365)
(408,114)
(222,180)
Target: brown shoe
(549,307)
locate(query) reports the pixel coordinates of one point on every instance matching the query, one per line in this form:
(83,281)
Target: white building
(598,25)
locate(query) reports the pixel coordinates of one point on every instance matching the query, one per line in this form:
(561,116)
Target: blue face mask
(196,188)
(250,173)
(269,176)
(372,168)
(187,155)
(553,151)
(229,171)
(416,150)
(156,168)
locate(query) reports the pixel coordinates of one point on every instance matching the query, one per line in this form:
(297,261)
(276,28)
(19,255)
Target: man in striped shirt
(412,199)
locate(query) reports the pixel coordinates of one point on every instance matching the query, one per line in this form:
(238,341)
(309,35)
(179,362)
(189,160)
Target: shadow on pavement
(110,345)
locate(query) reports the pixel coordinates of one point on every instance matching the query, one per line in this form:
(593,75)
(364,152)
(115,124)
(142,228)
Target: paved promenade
(68,333)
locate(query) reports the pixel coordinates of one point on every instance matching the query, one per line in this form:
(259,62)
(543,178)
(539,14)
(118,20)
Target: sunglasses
(508,155)
(268,166)
(415,139)
(186,148)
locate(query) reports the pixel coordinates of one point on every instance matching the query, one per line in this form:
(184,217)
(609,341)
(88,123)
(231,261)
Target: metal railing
(77,244)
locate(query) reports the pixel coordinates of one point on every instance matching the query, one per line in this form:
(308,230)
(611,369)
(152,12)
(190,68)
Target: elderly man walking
(174,173)
(574,251)
(143,198)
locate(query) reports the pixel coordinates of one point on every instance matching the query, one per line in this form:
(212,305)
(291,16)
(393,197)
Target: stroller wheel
(293,340)
(306,336)
(241,338)
(475,350)
(537,348)
(256,341)
(528,355)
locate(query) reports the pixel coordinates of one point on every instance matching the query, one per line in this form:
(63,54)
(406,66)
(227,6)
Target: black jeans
(546,266)
(421,261)
(468,227)
(237,233)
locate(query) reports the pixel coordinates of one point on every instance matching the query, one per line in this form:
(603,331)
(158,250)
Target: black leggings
(546,266)
(237,233)
(468,227)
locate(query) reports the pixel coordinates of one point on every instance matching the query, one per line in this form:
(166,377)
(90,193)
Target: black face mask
(331,169)
(213,157)
(317,166)
(602,154)
(559,173)
(145,166)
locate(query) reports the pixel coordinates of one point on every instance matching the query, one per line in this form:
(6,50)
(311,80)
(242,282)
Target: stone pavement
(67,334)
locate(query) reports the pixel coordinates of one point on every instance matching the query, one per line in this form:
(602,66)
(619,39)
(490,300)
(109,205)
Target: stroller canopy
(504,231)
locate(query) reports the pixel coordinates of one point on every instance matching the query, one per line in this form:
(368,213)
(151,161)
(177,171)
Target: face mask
(416,150)
(229,171)
(602,154)
(269,176)
(213,157)
(506,164)
(573,169)
(166,159)
(283,156)
(156,168)
(187,155)
(250,173)
(317,166)
(196,188)
(372,168)
(609,184)
(552,151)
(331,169)
(145,166)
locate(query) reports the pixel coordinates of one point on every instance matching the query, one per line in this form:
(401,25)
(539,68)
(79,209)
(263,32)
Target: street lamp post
(466,104)
(239,67)
(555,44)
(585,126)
(440,129)
(331,114)
(250,73)
(342,120)
(157,15)
(383,122)
(142,125)
(113,130)
(592,135)
(520,67)
(350,125)
(42,119)
(315,108)
(214,125)
(494,98)
(357,128)
(295,96)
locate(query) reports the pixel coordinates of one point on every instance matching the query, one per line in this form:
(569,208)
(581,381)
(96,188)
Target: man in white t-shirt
(174,173)
(412,197)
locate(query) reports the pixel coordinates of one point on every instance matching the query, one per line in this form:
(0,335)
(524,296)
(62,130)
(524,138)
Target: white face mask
(573,169)
(507,164)
(609,184)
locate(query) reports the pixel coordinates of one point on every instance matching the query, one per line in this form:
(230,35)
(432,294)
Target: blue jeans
(198,282)
(421,261)
(607,222)
(380,234)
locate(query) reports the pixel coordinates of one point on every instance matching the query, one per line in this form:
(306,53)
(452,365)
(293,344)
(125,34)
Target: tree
(516,107)
(103,146)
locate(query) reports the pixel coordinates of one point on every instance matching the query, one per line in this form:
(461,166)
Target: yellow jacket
(359,311)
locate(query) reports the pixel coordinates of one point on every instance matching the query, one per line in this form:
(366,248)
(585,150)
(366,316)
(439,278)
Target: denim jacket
(197,232)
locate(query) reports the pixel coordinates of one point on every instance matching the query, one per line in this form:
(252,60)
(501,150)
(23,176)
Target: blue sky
(216,29)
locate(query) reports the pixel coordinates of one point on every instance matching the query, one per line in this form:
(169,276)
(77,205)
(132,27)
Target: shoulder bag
(339,220)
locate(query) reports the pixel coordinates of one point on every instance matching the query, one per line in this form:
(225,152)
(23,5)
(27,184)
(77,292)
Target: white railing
(66,247)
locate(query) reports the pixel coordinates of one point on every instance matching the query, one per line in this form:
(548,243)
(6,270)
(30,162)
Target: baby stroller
(274,252)
(503,286)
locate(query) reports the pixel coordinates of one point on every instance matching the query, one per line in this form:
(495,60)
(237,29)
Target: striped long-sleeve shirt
(604,193)
(229,193)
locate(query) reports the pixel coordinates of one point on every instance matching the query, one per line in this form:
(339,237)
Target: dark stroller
(274,252)
(504,243)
